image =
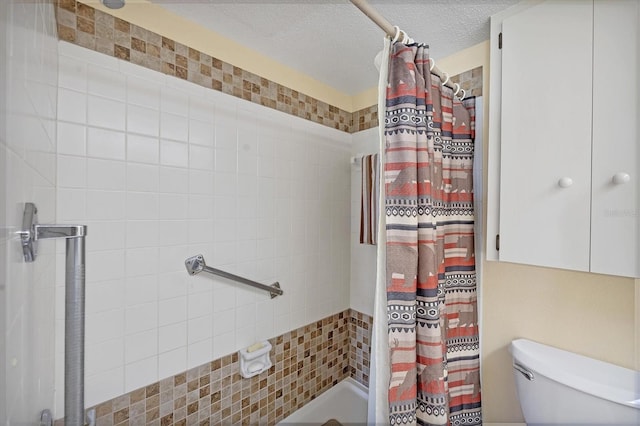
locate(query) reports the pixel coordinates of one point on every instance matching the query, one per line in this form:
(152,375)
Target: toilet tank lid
(599,378)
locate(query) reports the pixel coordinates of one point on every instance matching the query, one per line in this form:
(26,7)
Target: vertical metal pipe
(74,235)
(74,332)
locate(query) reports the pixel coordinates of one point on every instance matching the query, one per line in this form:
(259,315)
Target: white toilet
(557,387)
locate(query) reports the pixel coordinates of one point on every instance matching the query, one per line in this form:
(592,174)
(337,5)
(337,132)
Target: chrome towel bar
(196,264)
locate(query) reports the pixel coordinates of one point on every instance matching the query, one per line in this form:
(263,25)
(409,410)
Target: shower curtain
(433,339)
(378,404)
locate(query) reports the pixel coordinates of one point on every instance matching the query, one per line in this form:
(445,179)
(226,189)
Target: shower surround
(162,168)
(307,362)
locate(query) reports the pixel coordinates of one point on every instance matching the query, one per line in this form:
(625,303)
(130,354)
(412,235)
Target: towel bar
(196,264)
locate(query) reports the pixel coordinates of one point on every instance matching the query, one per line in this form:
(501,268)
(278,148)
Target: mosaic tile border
(364,119)
(307,361)
(470,81)
(85,26)
(360,346)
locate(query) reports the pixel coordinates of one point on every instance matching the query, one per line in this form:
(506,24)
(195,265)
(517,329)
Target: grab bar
(74,306)
(196,264)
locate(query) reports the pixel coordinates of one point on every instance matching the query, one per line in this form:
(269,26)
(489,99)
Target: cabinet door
(545,182)
(615,214)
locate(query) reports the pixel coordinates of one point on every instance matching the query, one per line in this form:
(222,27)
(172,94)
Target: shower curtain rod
(386,26)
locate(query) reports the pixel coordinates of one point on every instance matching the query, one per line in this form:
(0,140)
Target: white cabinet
(563,143)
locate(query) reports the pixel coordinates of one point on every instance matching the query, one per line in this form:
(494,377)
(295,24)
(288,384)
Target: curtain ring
(457,88)
(464,94)
(447,79)
(395,37)
(432,64)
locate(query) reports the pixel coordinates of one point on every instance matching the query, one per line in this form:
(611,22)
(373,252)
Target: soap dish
(255,362)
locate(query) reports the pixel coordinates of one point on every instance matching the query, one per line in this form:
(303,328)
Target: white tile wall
(28,83)
(363,256)
(161,170)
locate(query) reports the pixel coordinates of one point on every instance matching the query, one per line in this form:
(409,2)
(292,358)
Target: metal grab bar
(196,264)
(74,311)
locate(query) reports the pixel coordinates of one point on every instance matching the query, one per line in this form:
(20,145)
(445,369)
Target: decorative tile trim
(85,26)
(365,118)
(307,361)
(470,81)
(360,329)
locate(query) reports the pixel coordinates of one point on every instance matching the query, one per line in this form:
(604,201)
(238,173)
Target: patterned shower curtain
(431,280)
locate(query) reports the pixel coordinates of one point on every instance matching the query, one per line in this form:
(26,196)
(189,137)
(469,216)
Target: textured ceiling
(332,41)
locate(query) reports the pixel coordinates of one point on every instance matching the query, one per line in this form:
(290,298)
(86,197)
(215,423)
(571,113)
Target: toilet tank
(557,387)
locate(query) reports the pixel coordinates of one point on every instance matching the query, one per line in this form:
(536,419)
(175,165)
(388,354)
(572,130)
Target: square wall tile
(72,172)
(143,93)
(143,178)
(106,174)
(141,261)
(140,373)
(104,356)
(172,336)
(143,120)
(106,144)
(104,296)
(201,158)
(141,345)
(71,205)
(104,326)
(172,311)
(72,74)
(72,106)
(141,289)
(202,133)
(105,205)
(172,362)
(142,205)
(199,353)
(143,149)
(174,153)
(104,386)
(174,180)
(142,233)
(106,113)
(139,318)
(71,139)
(105,265)
(173,101)
(107,83)
(109,235)
(174,127)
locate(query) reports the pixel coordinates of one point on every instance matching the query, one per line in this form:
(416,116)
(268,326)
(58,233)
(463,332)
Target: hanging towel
(369,200)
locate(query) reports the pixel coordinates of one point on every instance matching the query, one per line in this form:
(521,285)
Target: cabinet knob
(620,178)
(565,182)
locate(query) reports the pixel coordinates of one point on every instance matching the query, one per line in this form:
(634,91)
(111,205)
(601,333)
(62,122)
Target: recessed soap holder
(255,359)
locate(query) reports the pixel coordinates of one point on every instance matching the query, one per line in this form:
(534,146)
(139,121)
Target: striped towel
(369,200)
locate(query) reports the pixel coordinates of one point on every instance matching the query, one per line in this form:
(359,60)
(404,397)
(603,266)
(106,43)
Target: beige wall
(585,313)
(590,314)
